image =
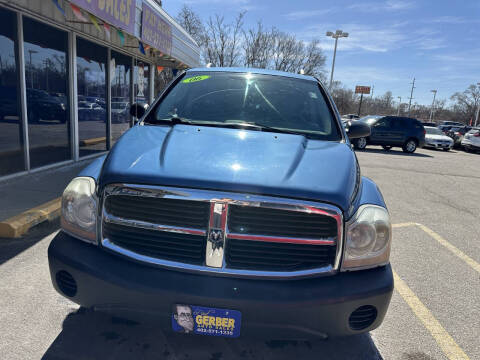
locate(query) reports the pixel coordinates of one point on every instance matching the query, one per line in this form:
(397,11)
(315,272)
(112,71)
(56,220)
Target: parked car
(457,134)
(227,210)
(42,106)
(426,123)
(91,111)
(445,128)
(471,140)
(390,131)
(454,123)
(120,112)
(350,117)
(434,138)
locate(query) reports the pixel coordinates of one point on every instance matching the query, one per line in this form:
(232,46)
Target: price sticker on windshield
(196,79)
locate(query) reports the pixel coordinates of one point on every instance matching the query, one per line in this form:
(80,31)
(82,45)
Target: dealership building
(69,71)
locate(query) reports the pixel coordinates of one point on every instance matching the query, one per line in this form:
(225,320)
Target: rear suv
(471,140)
(390,131)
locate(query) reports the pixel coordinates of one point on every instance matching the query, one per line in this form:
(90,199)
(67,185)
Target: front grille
(276,222)
(272,256)
(214,232)
(190,214)
(171,246)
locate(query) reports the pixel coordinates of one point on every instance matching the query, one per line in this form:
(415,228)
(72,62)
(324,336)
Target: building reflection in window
(92,93)
(120,94)
(46,69)
(11,139)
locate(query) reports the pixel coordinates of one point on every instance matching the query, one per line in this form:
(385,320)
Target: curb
(20,224)
(92,141)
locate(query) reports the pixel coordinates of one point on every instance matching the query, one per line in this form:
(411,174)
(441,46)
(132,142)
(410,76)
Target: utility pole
(338,34)
(371,95)
(360,105)
(399,104)
(433,104)
(411,97)
(478,110)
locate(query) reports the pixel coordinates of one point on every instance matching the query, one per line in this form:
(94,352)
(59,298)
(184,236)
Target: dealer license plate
(206,321)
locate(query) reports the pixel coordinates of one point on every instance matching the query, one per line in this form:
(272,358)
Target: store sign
(156,32)
(362,89)
(120,13)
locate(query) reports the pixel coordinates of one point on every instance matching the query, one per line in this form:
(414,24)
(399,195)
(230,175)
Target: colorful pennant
(106,27)
(140,47)
(78,13)
(121,36)
(93,19)
(59,7)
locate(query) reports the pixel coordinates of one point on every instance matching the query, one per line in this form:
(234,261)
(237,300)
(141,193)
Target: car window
(397,123)
(274,101)
(382,123)
(433,131)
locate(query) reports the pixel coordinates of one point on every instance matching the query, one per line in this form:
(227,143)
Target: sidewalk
(31,199)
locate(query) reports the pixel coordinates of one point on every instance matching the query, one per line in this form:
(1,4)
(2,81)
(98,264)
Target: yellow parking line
(441,336)
(404,225)
(467,259)
(457,252)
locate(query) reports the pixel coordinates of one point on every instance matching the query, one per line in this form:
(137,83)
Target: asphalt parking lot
(433,198)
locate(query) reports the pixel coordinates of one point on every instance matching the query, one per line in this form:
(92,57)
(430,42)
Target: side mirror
(358,129)
(138,110)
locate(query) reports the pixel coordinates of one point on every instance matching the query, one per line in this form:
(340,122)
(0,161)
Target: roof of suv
(253,71)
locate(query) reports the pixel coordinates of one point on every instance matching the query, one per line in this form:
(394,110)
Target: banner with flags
(59,7)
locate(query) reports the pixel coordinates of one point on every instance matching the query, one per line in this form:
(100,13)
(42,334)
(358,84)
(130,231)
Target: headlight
(79,209)
(368,236)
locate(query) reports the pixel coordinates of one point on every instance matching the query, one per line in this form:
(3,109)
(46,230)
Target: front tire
(446,149)
(360,143)
(410,146)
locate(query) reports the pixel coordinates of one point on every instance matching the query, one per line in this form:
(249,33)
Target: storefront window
(141,79)
(11,144)
(162,77)
(47,97)
(120,94)
(92,93)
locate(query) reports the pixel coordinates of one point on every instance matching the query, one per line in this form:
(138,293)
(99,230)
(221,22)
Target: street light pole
(411,97)
(433,104)
(399,104)
(338,34)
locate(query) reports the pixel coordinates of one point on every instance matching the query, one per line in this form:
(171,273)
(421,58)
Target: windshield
(433,131)
(370,119)
(273,101)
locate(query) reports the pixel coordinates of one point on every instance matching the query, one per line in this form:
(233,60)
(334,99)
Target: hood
(437,137)
(266,163)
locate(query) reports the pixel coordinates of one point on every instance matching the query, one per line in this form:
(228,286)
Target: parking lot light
(338,34)
(433,104)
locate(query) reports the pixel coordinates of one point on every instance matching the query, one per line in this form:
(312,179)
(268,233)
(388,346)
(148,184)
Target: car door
(399,129)
(381,132)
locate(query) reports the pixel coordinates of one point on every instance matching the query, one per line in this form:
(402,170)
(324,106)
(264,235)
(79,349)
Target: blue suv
(234,207)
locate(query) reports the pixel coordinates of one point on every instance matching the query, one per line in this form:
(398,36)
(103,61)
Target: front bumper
(281,309)
(439,145)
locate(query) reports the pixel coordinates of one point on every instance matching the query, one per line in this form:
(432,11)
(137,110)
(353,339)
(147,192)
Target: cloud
(389,5)
(305,14)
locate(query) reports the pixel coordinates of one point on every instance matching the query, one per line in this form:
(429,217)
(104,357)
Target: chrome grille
(221,233)
(274,222)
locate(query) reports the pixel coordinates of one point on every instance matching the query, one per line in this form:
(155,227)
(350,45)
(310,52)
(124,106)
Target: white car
(471,140)
(435,138)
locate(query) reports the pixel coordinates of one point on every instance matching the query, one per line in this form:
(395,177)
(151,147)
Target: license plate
(206,321)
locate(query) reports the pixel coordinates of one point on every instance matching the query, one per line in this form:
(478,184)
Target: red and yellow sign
(362,89)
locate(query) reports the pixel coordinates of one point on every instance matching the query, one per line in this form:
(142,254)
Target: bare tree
(192,23)
(222,41)
(313,59)
(466,102)
(257,46)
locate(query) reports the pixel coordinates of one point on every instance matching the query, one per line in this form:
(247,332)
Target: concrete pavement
(433,314)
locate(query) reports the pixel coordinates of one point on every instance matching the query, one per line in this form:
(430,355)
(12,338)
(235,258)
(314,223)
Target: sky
(390,41)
